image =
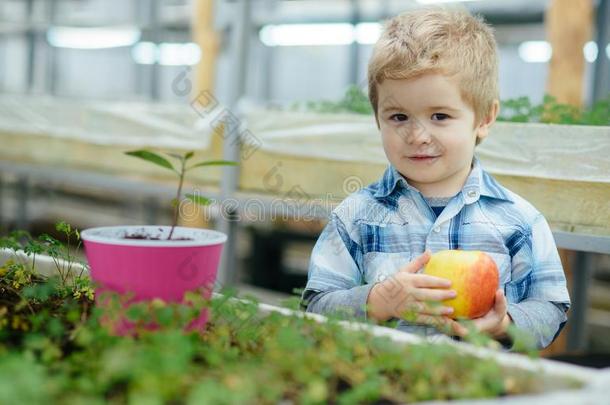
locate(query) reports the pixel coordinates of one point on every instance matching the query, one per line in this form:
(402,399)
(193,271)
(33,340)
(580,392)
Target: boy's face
(429,132)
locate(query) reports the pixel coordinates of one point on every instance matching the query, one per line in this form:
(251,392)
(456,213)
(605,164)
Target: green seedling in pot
(183,161)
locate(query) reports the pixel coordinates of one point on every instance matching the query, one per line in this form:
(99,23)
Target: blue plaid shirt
(377,230)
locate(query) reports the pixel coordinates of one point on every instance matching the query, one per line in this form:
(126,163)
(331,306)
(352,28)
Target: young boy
(434,89)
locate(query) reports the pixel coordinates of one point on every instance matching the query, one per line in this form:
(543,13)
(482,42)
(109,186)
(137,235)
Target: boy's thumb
(414,265)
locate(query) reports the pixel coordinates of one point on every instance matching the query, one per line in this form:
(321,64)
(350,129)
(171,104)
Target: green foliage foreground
(55,347)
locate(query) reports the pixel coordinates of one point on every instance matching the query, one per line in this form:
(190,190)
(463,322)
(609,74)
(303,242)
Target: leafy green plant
(181,173)
(74,358)
(36,304)
(64,256)
(354,101)
(512,110)
(552,112)
(56,347)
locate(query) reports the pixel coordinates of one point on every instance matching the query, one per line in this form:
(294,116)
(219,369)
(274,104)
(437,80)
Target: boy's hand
(495,322)
(415,294)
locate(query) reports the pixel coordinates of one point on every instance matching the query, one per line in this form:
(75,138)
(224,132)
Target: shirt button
(437,229)
(381,277)
(472,194)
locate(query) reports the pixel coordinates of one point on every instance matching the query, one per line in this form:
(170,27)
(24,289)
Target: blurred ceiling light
(144,53)
(307,34)
(535,51)
(166,54)
(441,1)
(92,38)
(590,50)
(179,54)
(368,33)
(320,34)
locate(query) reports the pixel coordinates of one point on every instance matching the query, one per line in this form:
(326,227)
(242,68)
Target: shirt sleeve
(537,294)
(540,319)
(350,303)
(334,280)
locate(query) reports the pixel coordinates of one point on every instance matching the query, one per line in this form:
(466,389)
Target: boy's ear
(487,122)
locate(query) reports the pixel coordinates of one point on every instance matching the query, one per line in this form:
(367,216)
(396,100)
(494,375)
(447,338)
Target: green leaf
(33,247)
(135,313)
(152,158)
(63,227)
(214,163)
(165,316)
(55,328)
(197,199)
(184,157)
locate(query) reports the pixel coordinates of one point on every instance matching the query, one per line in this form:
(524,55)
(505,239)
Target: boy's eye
(440,117)
(398,117)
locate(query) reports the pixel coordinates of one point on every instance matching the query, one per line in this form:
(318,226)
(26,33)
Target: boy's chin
(419,172)
(419,179)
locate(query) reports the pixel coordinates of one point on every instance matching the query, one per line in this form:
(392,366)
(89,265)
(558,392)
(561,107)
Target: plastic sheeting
(560,152)
(105,123)
(573,153)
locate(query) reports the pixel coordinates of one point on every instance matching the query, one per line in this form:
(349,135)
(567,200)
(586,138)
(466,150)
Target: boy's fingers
(431,294)
(423,308)
(436,310)
(441,322)
(426,281)
(417,263)
(457,329)
(500,305)
(446,325)
(432,320)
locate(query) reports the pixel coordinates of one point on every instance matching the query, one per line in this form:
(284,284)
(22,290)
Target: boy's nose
(415,133)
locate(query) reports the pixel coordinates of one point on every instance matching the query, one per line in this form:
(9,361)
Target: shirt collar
(478,183)
(390,180)
(481,181)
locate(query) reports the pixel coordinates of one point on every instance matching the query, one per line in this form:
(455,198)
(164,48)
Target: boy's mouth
(422,158)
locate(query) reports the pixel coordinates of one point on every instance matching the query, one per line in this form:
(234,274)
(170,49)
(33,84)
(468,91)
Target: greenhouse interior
(304,201)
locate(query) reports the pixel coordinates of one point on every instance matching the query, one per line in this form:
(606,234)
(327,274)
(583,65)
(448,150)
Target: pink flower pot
(151,269)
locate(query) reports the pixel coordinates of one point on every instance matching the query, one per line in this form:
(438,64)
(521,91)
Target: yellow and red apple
(474,277)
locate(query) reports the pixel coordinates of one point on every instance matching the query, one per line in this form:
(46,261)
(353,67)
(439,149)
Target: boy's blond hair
(450,42)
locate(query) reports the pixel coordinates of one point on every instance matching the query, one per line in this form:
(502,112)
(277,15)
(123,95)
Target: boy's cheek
(394,146)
